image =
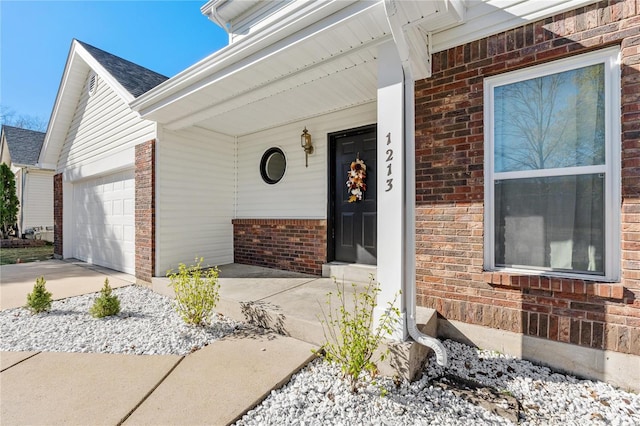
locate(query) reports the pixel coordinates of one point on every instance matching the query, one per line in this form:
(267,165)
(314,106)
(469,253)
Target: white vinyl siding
(103,125)
(37,208)
(194,198)
(302,192)
(104,221)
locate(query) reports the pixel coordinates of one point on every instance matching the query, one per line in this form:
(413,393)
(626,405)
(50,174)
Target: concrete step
(349,272)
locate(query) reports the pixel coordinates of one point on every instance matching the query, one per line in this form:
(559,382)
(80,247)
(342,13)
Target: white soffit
(327,65)
(333,58)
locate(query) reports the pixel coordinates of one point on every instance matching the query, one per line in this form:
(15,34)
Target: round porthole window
(273,165)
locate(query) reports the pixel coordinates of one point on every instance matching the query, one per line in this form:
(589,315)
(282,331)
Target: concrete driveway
(64,279)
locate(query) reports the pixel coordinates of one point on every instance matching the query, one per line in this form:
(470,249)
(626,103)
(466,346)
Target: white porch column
(390,182)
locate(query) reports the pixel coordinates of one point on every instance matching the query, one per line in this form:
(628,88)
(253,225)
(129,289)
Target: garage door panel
(104,217)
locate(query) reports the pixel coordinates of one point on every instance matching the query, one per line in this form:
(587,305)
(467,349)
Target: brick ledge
(558,285)
(275,221)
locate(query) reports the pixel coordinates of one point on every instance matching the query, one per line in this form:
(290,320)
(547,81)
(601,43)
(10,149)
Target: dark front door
(354,223)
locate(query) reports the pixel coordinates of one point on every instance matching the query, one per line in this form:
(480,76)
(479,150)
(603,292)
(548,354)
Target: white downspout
(409,282)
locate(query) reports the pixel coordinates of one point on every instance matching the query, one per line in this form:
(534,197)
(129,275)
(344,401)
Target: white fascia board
(76,53)
(195,77)
(47,166)
(46,145)
(21,165)
(38,168)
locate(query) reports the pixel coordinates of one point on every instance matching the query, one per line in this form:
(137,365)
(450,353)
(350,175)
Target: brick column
(145,218)
(57,216)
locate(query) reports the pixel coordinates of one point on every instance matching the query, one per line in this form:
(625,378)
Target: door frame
(331,181)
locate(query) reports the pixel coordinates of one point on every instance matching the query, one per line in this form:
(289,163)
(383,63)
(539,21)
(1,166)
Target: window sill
(555,284)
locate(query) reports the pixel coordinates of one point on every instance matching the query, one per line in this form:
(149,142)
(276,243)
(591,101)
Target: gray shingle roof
(134,78)
(24,145)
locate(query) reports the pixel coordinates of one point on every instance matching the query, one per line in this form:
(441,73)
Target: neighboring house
(20,149)
(501,145)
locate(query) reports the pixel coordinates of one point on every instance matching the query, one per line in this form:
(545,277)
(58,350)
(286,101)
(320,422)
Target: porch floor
(289,303)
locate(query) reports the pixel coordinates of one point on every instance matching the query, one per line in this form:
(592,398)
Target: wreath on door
(356,182)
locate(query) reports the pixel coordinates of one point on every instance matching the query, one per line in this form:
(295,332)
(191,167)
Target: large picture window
(552,179)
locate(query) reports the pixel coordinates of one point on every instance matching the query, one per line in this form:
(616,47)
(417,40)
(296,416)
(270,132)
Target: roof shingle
(24,145)
(134,78)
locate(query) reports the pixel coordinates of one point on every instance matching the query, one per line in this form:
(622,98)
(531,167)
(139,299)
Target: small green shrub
(351,339)
(39,300)
(197,292)
(106,304)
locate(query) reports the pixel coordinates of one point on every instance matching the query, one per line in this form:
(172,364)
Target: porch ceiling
(322,58)
(327,66)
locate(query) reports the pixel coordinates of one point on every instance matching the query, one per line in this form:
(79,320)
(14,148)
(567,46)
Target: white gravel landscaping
(315,397)
(148,324)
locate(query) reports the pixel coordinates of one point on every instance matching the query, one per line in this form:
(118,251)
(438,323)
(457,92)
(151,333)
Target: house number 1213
(389,162)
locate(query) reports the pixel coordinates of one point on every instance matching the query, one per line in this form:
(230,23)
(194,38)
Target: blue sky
(35,36)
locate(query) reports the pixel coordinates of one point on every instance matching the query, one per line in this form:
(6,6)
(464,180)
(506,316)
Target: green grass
(9,256)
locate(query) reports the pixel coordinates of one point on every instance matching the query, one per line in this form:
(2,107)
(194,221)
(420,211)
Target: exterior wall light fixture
(305,143)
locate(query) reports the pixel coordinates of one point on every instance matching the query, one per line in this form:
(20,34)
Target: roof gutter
(210,10)
(409,258)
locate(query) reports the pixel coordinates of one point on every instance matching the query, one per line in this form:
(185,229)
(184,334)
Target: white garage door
(103,228)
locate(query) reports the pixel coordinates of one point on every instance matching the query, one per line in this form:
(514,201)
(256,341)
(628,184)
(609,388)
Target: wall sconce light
(305,143)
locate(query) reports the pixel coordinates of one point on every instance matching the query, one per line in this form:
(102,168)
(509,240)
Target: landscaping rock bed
(146,325)
(478,388)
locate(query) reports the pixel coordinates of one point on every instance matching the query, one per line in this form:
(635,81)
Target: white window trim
(611,59)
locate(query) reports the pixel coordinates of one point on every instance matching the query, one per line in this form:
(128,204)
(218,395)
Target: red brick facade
(298,245)
(57,215)
(450,192)
(145,214)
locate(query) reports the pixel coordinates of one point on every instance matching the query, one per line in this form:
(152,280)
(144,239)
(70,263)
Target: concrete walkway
(213,386)
(64,279)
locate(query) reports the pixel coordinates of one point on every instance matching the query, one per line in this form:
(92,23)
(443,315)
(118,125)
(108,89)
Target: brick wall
(57,215)
(449,188)
(145,210)
(298,245)
(20,243)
